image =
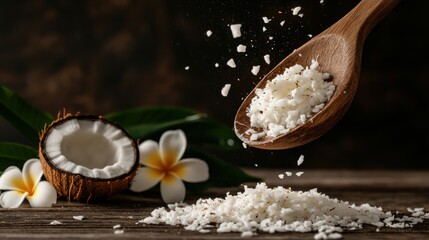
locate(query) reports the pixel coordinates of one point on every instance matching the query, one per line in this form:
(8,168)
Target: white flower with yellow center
(26,185)
(162,164)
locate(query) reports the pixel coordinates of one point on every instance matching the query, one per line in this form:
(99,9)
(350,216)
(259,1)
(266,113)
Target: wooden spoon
(339,51)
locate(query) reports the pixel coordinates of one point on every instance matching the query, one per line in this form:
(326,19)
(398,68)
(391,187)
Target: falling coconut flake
(282,23)
(298,174)
(216,64)
(187,68)
(289,174)
(117,226)
(295,11)
(231,63)
(80,218)
(209,33)
(119,231)
(244,145)
(241,48)
(255,70)
(266,20)
(264,29)
(267,58)
(236,30)
(281,176)
(300,160)
(225,90)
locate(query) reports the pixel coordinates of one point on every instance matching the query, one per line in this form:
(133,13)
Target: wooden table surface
(392,190)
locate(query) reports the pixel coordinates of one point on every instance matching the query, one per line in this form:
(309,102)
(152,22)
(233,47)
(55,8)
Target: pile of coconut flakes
(280,210)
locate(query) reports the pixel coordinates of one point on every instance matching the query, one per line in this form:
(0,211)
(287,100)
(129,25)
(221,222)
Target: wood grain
(392,190)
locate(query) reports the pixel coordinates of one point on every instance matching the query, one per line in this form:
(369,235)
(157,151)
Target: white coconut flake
(119,231)
(187,68)
(281,176)
(264,29)
(225,90)
(289,174)
(117,226)
(244,145)
(236,30)
(300,160)
(289,100)
(276,209)
(241,48)
(216,64)
(282,23)
(255,70)
(266,20)
(55,222)
(295,10)
(299,174)
(80,218)
(231,63)
(267,58)
(209,33)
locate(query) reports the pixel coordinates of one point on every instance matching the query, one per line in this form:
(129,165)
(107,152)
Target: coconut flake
(80,218)
(264,29)
(281,176)
(187,68)
(209,33)
(241,48)
(119,231)
(117,226)
(267,58)
(298,174)
(266,20)
(300,160)
(289,174)
(225,90)
(255,70)
(231,63)
(282,23)
(216,64)
(236,30)
(55,222)
(295,10)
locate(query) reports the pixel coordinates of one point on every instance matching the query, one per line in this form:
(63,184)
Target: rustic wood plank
(127,209)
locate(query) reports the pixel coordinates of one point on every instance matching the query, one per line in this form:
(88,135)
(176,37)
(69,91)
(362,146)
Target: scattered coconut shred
(280,209)
(288,100)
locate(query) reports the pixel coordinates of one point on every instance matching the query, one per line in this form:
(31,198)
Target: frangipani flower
(26,185)
(162,164)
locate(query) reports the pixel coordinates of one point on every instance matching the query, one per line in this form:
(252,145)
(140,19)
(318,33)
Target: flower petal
(149,154)
(11,179)
(44,195)
(192,170)
(172,189)
(145,179)
(32,173)
(12,199)
(172,145)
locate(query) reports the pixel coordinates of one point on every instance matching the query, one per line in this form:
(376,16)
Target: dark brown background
(102,56)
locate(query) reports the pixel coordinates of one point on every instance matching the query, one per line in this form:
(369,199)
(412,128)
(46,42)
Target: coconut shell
(76,187)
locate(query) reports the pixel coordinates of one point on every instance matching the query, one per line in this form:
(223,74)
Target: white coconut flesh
(90,147)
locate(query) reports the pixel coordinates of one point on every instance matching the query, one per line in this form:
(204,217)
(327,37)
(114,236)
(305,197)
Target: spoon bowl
(339,51)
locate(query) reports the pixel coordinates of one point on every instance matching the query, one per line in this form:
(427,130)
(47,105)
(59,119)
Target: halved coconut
(87,158)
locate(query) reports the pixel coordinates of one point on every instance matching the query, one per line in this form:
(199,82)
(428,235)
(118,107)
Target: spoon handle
(361,19)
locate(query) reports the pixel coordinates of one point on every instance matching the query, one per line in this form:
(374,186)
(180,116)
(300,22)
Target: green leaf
(20,114)
(222,174)
(151,122)
(13,154)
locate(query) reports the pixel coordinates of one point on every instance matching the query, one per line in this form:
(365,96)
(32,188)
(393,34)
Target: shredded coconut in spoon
(280,210)
(288,100)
